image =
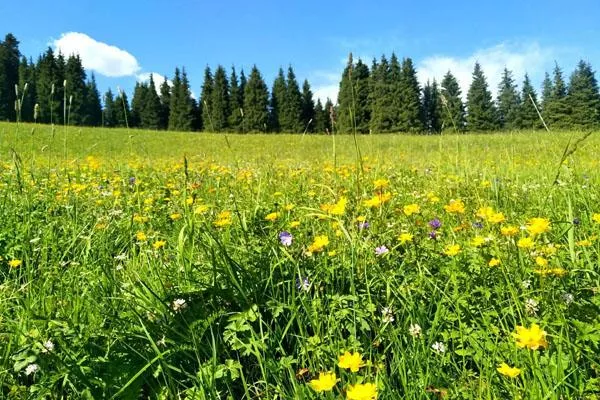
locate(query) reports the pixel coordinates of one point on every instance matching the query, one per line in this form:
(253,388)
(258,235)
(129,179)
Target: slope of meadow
(197,266)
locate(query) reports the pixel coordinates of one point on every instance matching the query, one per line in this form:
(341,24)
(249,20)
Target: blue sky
(313,36)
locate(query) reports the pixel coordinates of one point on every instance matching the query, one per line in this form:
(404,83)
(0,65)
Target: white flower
(439,347)
(526,284)
(568,298)
(531,307)
(31,369)
(387,315)
(414,330)
(48,346)
(178,305)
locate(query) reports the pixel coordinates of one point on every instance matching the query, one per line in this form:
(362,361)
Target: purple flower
(477,225)
(433,235)
(576,221)
(132,180)
(285,238)
(435,223)
(363,225)
(303,283)
(381,250)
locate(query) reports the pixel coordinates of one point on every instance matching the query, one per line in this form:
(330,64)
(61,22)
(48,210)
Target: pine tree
(410,117)
(380,96)
(236,103)
(9,76)
(308,108)
(27,90)
(453,109)
(508,102)
(122,109)
(329,115)
(220,100)
(291,120)
(183,109)
(528,115)
(583,97)
(92,113)
(138,103)
(49,79)
(557,111)
(109,111)
(547,89)
(353,98)
(320,122)
(481,112)
(205,101)
(432,108)
(165,104)
(256,103)
(150,116)
(277,103)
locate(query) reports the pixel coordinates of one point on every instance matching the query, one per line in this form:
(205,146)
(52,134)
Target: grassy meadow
(159,265)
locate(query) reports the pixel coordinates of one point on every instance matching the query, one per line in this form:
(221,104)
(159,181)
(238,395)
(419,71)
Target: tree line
(385,97)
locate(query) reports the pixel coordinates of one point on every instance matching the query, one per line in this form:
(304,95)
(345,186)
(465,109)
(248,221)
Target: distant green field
(162,265)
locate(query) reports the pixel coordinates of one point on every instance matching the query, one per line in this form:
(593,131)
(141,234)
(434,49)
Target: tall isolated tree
(308,107)
(9,76)
(528,116)
(206,100)
(256,103)
(76,90)
(291,120)
(432,108)
(410,117)
(92,104)
(182,114)
(453,108)
(481,111)
(236,103)
(508,101)
(557,112)
(583,97)
(220,100)
(277,103)
(353,98)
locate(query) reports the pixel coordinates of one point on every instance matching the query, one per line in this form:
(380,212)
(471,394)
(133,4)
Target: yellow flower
(511,372)
(15,263)
(294,224)
(411,209)
(362,391)
(361,218)
(318,243)
(478,241)
(536,226)
(509,230)
(140,219)
(525,243)
(596,218)
(141,236)
(485,212)
(189,201)
(324,383)
(584,243)
(200,209)
(289,207)
(272,216)
(405,237)
(452,250)
(175,216)
(455,207)
(332,253)
(378,200)
(351,361)
(497,218)
(494,262)
(532,338)
(541,261)
(432,198)
(381,183)
(159,244)
(335,209)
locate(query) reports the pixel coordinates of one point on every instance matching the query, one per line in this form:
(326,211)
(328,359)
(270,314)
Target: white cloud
(325,92)
(530,58)
(157,78)
(105,59)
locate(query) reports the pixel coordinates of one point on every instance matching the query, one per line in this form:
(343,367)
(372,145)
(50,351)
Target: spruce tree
(547,88)
(583,97)
(150,117)
(256,103)
(292,106)
(380,96)
(138,103)
(9,76)
(353,99)
(277,103)
(308,108)
(76,90)
(122,109)
(453,109)
(109,110)
(219,103)
(165,103)
(508,102)
(432,108)
(319,125)
(557,111)
(236,103)
(27,90)
(329,115)
(410,117)
(528,116)
(48,80)
(182,109)
(205,100)
(92,106)
(481,112)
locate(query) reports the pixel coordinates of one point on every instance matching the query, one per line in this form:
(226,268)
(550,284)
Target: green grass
(148,262)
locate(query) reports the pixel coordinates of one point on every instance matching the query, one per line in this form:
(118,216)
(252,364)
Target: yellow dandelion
(525,243)
(506,370)
(272,217)
(405,237)
(159,244)
(452,249)
(536,226)
(411,209)
(509,230)
(494,262)
(532,338)
(15,263)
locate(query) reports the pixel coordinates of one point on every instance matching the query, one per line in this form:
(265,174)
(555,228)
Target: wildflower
(324,383)
(494,262)
(414,330)
(411,209)
(439,347)
(525,243)
(455,207)
(405,237)
(335,209)
(294,224)
(15,263)
(381,250)
(576,221)
(506,370)
(452,250)
(223,219)
(48,346)
(289,207)
(363,225)
(433,235)
(596,218)
(175,216)
(387,315)
(568,298)
(178,305)
(531,307)
(485,213)
(541,261)
(526,284)
(332,253)
(285,238)
(378,200)
(478,225)
(509,230)
(362,391)
(536,226)
(351,361)
(497,218)
(200,209)
(159,244)
(303,284)
(272,217)
(435,224)
(318,243)
(31,369)
(532,338)
(478,241)
(381,183)
(141,236)
(584,243)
